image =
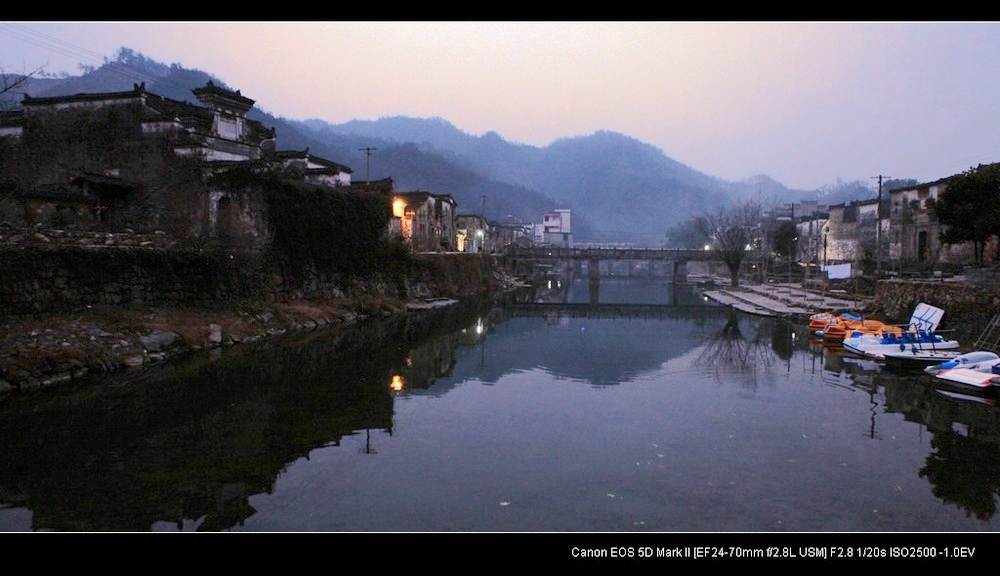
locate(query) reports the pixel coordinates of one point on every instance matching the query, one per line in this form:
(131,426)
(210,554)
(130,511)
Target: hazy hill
(626,188)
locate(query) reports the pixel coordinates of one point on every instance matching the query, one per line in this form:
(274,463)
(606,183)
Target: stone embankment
(70,312)
(967,308)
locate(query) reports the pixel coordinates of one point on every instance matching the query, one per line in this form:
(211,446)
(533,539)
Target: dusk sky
(803,103)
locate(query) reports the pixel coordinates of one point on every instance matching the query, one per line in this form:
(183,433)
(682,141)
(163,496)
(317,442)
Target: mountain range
(619,188)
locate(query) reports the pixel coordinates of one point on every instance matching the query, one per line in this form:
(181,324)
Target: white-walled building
(557,228)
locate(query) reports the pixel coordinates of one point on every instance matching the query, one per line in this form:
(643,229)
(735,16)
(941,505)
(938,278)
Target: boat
(969,378)
(919,336)
(972,360)
(918,358)
(840,327)
(877,347)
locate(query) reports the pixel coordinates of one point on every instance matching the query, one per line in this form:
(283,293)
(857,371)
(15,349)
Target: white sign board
(837,271)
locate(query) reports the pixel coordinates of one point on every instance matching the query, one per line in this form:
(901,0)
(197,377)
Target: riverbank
(45,349)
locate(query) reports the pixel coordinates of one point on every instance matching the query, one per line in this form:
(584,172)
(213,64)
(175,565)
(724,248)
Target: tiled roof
(102,180)
(305,155)
(211,89)
(85,97)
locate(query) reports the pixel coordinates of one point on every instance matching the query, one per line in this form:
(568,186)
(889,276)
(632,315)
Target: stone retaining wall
(47,278)
(967,308)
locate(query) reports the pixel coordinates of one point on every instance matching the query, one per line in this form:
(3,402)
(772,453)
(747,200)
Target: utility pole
(878,228)
(368,162)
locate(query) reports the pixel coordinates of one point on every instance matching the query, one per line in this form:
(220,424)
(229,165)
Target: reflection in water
(729,350)
(429,422)
(964,464)
(965,471)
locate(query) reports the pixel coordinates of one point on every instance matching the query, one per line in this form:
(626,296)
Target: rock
(158,340)
(215,334)
(5,386)
(40,237)
(135,360)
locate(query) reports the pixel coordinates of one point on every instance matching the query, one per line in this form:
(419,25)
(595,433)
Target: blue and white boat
(972,360)
(878,346)
(918,337)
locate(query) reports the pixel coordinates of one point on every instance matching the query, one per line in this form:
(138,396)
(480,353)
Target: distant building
(851,232)
(810,234)
(424,220)
(472,233)
(557,228)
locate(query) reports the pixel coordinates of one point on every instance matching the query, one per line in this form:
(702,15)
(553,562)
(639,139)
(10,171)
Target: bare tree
(731,234)
(10,82)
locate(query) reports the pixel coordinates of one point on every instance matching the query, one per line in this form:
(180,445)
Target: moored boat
(918,358)
(972,360)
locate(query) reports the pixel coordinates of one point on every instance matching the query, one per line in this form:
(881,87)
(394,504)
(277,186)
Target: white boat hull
(968,377)
(873,349)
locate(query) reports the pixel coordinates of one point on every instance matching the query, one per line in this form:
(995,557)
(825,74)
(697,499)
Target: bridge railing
(553,252)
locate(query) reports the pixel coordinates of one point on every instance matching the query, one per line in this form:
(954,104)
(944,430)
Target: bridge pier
(680,272)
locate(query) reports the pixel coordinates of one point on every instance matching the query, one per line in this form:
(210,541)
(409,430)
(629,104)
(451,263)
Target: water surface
(686,417)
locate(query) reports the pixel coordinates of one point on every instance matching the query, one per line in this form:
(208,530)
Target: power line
(66,48)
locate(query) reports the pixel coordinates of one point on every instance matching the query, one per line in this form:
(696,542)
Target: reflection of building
(424,220)
(471,233)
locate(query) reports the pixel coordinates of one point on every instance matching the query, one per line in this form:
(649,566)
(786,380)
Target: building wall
(915,237)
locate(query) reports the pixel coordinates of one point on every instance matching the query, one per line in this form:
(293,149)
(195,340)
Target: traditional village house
(915,237)
(809,230)
(850,233)
(471,233)
(316,170)
(505,234)
(424,220)
(217,134)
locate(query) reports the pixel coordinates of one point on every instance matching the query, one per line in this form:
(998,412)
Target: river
(678,416)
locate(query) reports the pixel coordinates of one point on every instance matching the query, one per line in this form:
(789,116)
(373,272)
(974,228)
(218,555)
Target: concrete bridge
(518,257)
(587,253)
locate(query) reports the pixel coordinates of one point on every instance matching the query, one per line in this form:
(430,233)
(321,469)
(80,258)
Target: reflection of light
(398,382)
(793,336)
(408,362)
(479,326)
(550,284)
(558,283)
(479,233)
(706,298)
(748,248)
(707,247)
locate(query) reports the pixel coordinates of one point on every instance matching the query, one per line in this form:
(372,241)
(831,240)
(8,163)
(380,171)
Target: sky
(805,103)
